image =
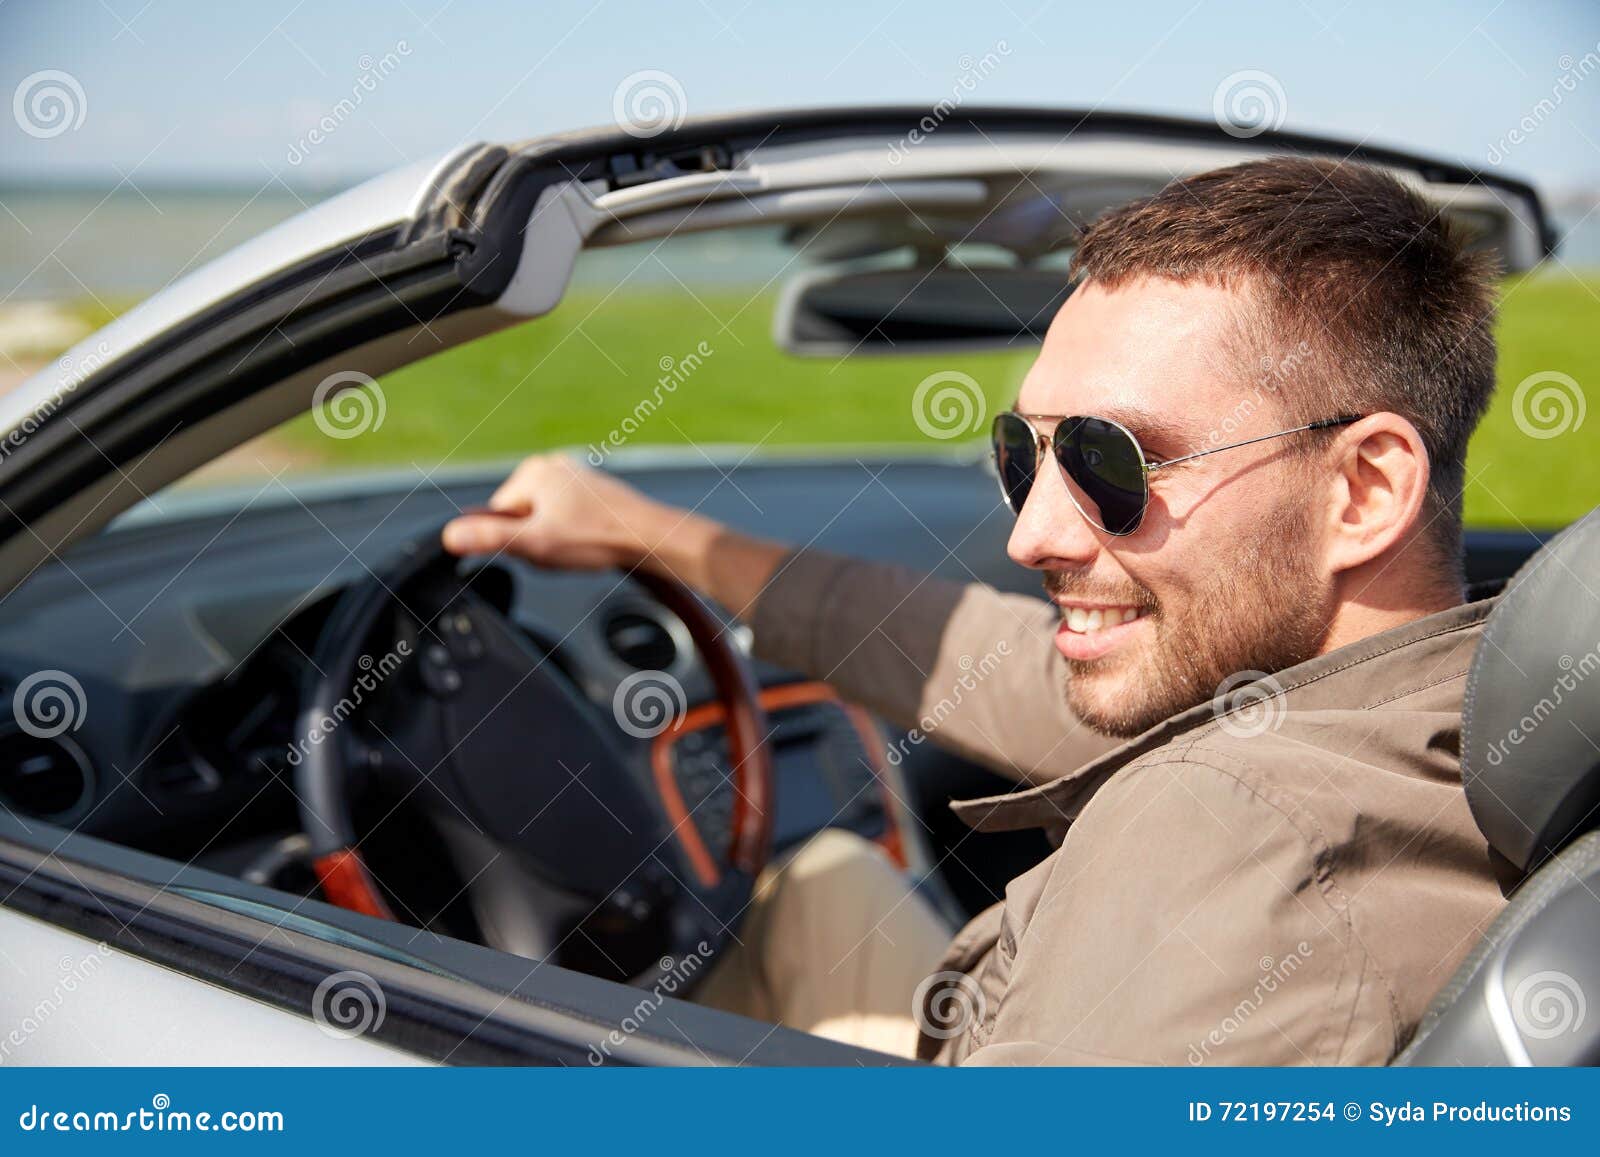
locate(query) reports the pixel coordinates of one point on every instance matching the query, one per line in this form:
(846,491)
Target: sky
(206,90)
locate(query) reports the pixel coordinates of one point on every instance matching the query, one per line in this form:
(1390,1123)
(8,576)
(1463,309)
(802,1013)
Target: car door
(119,957)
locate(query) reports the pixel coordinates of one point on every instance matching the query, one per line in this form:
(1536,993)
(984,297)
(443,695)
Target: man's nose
(1051,530)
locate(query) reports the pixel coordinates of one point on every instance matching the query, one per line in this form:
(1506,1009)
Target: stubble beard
(1259,611)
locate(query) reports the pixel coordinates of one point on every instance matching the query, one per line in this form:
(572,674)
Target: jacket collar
(1399,653)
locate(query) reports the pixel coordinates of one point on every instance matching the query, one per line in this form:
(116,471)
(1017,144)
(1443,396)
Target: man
(1239,712)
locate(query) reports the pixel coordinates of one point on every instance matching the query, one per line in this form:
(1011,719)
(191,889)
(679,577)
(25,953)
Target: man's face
(1225,573)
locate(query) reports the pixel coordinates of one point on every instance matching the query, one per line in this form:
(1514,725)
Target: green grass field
(572,378)
(1547,323)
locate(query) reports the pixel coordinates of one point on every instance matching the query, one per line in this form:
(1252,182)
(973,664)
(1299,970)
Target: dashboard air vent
(640,640)
(44,777)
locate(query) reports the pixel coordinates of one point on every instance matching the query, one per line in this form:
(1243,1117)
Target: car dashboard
(177,645)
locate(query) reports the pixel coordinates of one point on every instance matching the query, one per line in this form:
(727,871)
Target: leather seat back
(1529,993)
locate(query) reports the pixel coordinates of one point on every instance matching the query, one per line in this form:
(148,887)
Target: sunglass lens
(1104,461)
(1015,458)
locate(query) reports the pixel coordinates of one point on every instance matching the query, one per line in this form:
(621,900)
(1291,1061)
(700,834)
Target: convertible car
(282,783)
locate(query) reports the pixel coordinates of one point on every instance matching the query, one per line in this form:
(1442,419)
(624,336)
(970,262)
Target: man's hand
(557,513)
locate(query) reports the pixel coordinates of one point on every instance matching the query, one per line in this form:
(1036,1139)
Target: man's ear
(1380,485)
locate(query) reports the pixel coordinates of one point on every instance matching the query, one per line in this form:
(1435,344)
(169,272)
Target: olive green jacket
(1286,877)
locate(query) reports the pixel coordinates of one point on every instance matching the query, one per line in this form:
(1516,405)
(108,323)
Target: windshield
(668,346)
(661,344)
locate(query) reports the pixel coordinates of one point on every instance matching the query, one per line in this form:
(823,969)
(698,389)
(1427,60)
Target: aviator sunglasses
(1105,468)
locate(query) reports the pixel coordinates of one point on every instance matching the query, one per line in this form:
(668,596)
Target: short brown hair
(1345,263)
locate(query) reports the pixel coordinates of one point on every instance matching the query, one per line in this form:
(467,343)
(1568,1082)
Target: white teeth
(1087,622)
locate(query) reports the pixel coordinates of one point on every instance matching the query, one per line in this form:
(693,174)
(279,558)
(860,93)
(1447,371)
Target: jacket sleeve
(1187,920)
(972,669)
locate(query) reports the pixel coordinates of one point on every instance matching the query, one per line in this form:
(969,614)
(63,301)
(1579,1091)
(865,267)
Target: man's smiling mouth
(1087,619)
(1090,631)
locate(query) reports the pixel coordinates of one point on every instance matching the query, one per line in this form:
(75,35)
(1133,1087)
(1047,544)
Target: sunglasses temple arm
(1325,424)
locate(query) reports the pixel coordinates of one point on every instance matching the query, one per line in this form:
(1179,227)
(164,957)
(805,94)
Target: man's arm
(959,663)
(975,670)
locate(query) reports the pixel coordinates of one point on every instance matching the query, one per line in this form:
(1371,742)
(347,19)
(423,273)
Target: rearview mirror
(923,309)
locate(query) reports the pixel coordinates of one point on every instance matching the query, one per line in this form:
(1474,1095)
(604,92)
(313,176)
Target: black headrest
(1530,740)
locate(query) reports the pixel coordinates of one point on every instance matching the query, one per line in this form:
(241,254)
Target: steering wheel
(548,809)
